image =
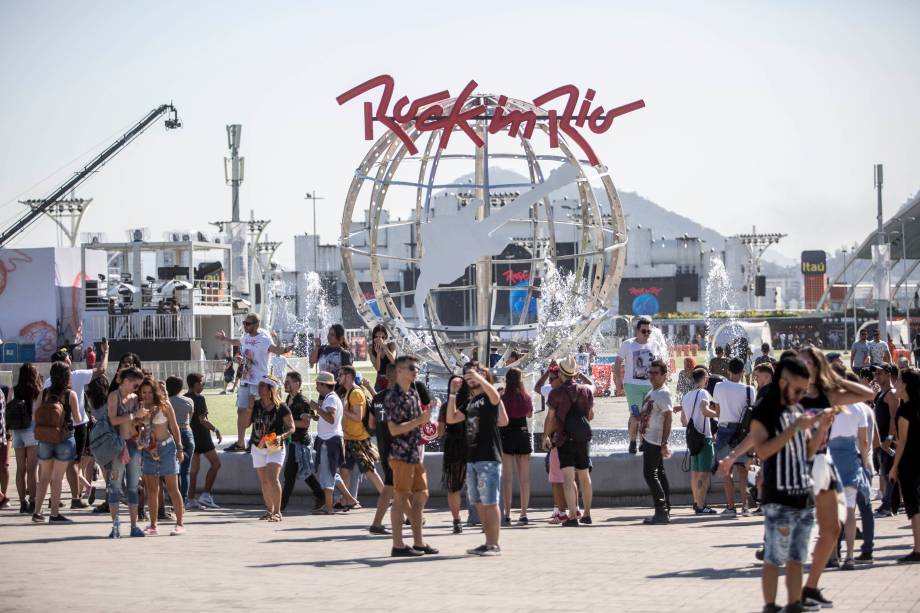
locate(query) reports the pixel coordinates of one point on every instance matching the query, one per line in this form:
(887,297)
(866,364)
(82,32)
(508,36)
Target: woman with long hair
(162,452)
(906,467)
(28,390)
(55,457)
(454,448)
(123,413)
(272,423)
(849,445)
(685,382)
(382,352)
(517,444)
(126,360)
(825,390)
(334,354)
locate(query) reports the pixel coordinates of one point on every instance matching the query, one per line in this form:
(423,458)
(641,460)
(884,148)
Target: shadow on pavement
(368,562)
(711,573)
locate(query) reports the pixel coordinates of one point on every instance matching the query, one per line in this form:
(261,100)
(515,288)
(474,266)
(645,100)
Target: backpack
(695,438)
(104,441)
(744,426)
(576,422)
(19,414)
(51,421)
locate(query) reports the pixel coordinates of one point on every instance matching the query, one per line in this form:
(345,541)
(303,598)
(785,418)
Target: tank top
(882,414)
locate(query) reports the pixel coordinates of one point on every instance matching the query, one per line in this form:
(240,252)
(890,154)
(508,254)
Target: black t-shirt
(268,420)
(332,359)
(910,459)
(378,406)
(200,411)
(482,429)
(457,430)
(424,397)
(883,413)
(299,407)
(786,474)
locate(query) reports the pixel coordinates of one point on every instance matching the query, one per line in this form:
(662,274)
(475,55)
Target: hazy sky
(768,114)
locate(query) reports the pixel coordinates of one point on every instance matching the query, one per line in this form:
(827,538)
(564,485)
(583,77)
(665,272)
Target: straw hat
(568,366)
(325,378)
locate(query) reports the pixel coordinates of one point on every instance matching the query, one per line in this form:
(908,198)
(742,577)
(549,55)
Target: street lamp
(846,340)
(312,196)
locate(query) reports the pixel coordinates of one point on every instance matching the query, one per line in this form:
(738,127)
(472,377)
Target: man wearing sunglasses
(655,427)
(255,344)
(635,357)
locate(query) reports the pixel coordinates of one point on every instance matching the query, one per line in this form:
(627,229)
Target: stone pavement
(229,560)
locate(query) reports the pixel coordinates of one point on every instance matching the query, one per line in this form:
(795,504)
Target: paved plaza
(229,560)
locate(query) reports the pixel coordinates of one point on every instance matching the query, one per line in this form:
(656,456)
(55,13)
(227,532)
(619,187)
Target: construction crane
(41,206)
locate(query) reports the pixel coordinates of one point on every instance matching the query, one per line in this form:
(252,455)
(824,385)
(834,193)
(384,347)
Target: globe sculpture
(514,246)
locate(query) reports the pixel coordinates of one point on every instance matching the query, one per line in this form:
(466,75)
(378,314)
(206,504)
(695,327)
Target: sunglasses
(249,323)
(645,331)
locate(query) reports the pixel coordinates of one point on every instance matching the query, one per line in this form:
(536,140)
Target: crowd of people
(806,430)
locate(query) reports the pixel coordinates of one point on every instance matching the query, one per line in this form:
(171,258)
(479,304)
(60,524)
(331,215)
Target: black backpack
(744,426)
(19,414)
(576,421)
(695,438)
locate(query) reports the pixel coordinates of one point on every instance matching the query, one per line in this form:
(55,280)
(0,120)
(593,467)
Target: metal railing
(141,326)
(202,293)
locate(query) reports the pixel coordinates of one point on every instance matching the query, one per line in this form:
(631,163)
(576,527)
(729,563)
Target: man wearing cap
(78,381)
(634,357)
(571,407)
(255,345)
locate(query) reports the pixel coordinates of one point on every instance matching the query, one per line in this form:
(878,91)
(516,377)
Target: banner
(648,296)
(814,262)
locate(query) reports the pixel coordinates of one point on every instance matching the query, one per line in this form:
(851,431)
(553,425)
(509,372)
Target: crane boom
(172,122)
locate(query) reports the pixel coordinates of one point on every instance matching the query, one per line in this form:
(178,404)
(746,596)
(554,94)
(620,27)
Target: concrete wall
(615,476)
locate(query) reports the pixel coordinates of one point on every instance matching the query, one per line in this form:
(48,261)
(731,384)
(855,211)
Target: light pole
(881,271)
(312,196)
(846,340)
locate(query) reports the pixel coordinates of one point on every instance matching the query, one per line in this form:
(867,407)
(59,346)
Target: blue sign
(517,297)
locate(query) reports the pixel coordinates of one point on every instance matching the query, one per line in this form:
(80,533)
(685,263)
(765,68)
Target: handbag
(695,439)
(105,442)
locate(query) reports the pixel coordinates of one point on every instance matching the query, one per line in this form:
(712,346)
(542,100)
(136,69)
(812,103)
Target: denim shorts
(787,532)
(244,393)
(165,464)
(24,438)
(483,481)
(62,452)
(724,436)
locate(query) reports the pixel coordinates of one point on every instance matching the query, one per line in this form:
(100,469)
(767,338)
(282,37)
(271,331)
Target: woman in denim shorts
(29,388)
(54,458)
(162,452)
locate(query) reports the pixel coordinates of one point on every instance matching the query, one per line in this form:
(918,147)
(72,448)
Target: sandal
(266,516)
(275,517)
(355,506)
(323,511)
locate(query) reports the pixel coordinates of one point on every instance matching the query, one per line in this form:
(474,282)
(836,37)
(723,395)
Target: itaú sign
(427,114)
(814,262)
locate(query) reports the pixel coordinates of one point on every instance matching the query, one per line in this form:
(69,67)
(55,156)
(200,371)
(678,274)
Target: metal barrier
(140,326)
(211,370)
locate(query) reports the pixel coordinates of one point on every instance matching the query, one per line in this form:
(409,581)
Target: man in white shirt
(635,358)
(330,452)
(730,400)
(79,379)
(878,350)
(655,426)
(255,345)
(695,408)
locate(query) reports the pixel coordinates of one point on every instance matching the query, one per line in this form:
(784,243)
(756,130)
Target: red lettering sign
(638,291)
(515,277)
(426,114)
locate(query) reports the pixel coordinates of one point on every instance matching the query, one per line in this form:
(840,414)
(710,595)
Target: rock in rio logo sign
(426,114)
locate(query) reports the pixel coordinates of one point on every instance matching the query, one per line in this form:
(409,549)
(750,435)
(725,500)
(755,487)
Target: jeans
(868,522)
(787,532)
(130,471)
(483,482)
(655,477)
(188,444)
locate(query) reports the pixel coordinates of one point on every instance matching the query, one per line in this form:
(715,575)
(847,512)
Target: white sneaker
(206,501)
(192,503)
